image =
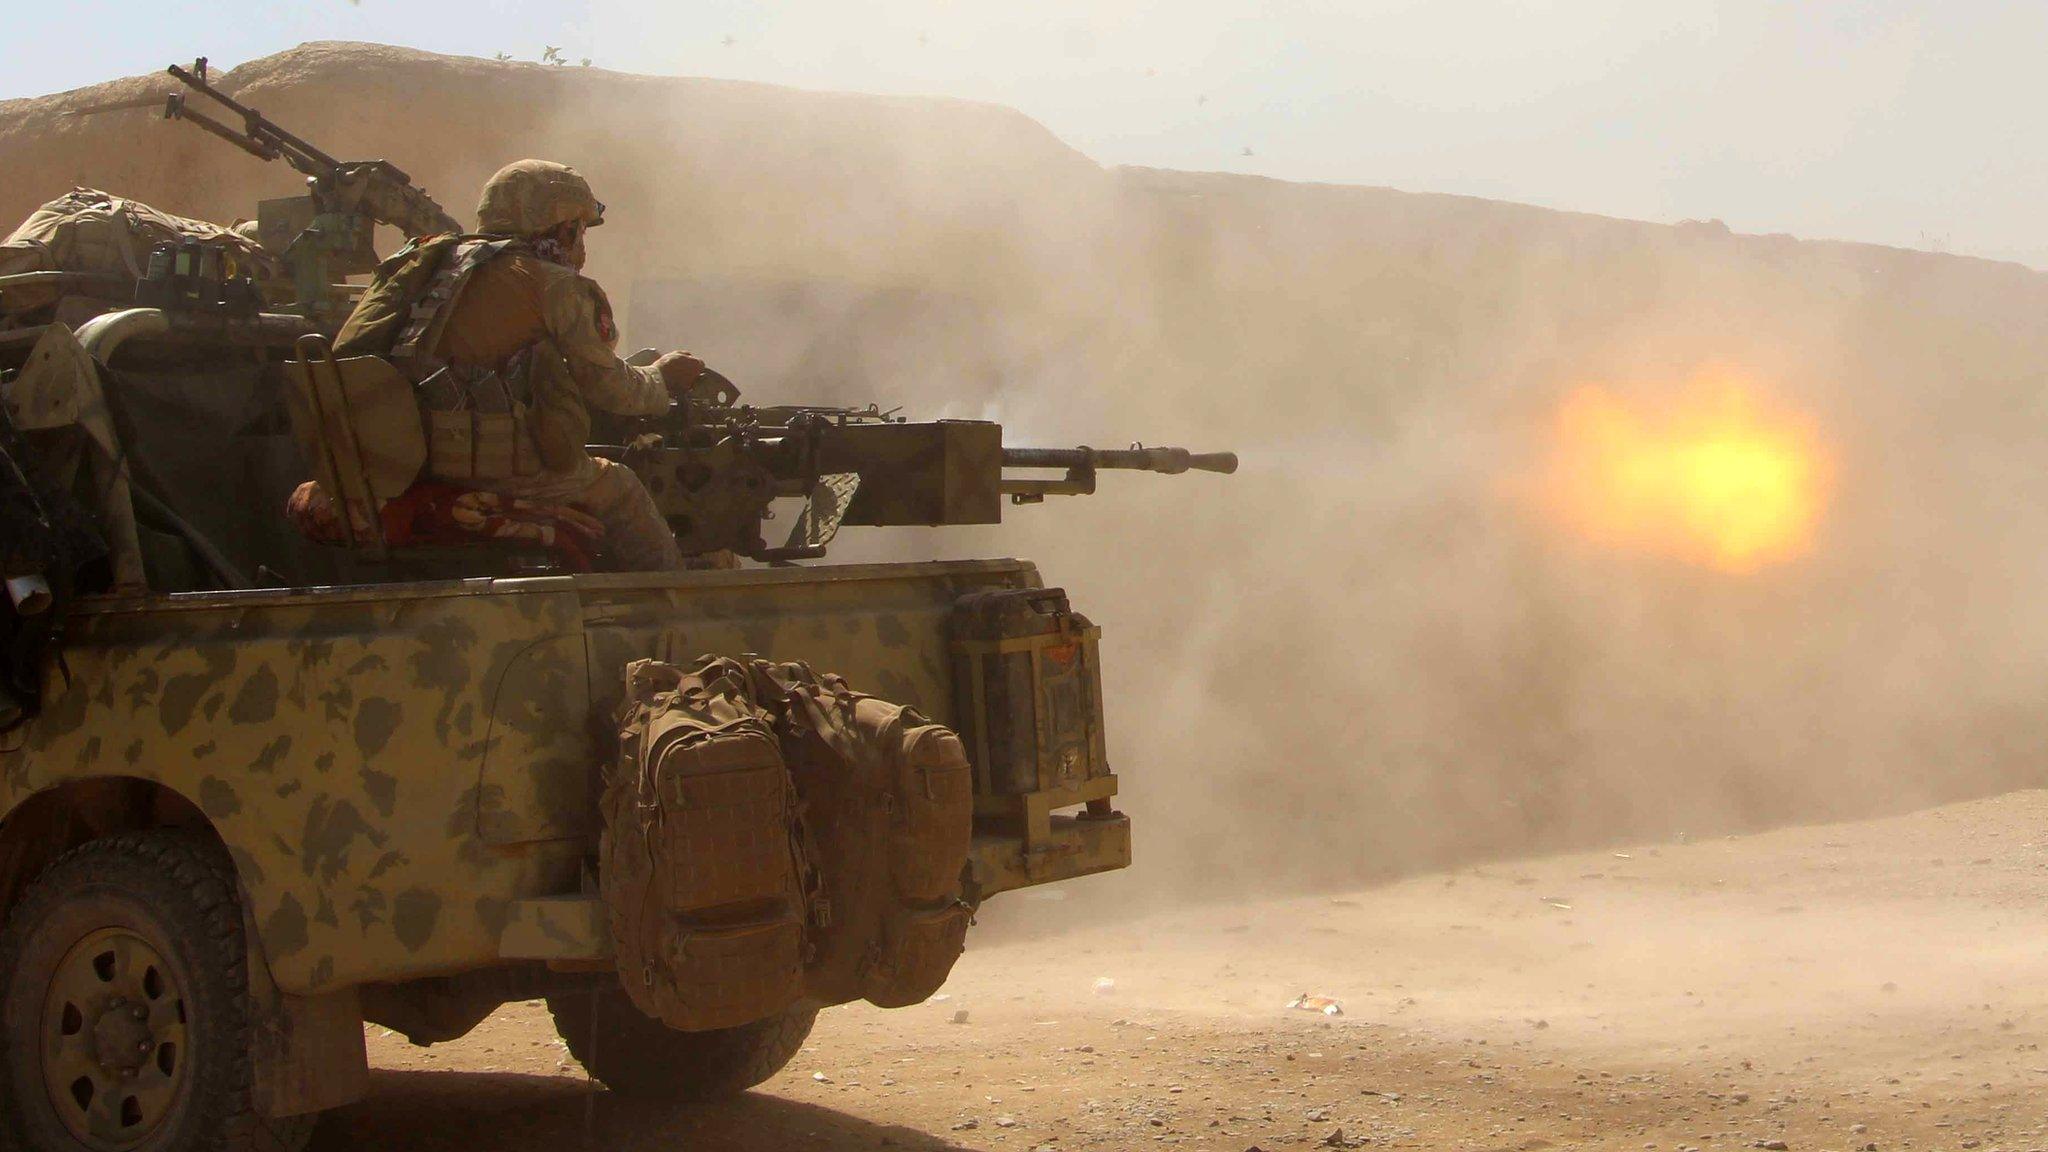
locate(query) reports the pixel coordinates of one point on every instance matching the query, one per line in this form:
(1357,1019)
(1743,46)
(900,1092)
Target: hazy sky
(1893,122)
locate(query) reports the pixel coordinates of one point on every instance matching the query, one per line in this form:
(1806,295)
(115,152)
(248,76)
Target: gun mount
(715,470)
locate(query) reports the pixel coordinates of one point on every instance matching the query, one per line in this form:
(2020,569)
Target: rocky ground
(1852,986)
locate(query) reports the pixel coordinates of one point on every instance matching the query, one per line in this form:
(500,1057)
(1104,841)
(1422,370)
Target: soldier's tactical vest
(478,420)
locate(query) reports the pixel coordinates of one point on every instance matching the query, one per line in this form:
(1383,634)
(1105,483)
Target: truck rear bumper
(571,930)
(1079,845)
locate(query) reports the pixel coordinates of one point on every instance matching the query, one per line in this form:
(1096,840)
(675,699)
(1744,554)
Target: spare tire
(641,1058)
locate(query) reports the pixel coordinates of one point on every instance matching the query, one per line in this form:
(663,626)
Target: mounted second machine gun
(327,234)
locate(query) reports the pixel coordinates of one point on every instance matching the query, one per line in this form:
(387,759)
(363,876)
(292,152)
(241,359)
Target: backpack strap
(430,310)
(126,225)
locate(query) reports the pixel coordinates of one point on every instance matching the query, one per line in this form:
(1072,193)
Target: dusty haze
(1370,651)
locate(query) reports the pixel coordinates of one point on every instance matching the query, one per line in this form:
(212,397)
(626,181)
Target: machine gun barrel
(1081,465)
(271,141)
(1171,461)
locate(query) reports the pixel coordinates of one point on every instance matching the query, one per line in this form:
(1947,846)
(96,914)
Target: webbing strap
(429,313)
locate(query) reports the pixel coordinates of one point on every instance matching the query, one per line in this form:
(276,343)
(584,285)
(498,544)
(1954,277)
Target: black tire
(639,1057)
(127,954)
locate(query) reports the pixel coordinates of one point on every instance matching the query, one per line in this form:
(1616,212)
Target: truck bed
(404,772)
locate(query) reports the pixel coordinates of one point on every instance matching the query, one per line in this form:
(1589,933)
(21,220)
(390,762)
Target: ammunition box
(1028,686)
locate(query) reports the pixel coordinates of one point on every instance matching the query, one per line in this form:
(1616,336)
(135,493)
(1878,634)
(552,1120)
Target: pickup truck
(256,791)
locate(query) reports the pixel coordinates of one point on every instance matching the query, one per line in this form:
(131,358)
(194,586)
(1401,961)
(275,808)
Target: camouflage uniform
(522,299)
(511,303)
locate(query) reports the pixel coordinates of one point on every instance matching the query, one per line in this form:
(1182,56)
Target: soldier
(511,348)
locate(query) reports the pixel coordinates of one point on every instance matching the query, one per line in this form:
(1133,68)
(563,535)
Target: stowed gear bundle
(772,836)
(48,540)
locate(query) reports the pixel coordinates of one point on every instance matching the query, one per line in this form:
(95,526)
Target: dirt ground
(1850,986)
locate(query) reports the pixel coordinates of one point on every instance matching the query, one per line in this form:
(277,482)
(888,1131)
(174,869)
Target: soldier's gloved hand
(678,371)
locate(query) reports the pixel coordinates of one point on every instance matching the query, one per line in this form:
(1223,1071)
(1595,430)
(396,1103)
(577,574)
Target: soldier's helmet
(528,197)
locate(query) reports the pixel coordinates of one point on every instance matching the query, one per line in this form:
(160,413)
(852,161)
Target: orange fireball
(1715,476)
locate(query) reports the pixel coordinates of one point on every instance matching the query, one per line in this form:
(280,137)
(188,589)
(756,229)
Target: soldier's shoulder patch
(600,308)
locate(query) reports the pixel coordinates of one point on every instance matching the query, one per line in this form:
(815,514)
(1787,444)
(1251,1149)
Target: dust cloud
(1371,651)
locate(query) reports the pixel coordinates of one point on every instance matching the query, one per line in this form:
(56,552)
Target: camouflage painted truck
(256,790)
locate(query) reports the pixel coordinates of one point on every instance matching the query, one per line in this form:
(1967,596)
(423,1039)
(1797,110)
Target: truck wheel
(124,1016)
(639,1057)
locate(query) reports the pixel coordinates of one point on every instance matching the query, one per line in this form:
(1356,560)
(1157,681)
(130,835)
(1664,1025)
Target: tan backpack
(888,809)
(109,237)
(701,869)
(771,834)
(384,316)
(478,422)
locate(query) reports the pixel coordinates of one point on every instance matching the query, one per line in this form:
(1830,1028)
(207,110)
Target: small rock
(1771,1145)
(821,1078)
(960,1016)
(1006,1121)
(967,1125)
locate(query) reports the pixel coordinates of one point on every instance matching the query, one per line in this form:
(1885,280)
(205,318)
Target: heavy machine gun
(716,467)
(328,233)
(323,236)
(374,189)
